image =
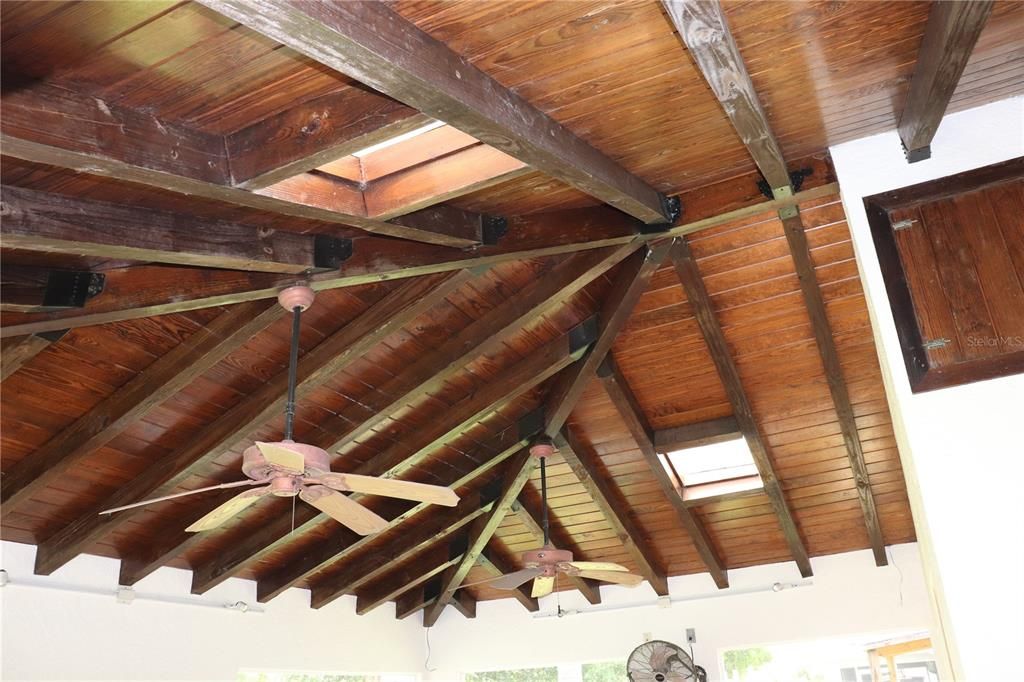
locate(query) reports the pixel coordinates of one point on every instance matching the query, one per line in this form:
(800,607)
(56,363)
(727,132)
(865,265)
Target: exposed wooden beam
(496,564)
(395,461)
(487,334)
(704,29)
(105,139)
(155,384)
(526,513)
(314,133)
(17,351)
(629,284)
(30,289)
(695,435)
(404,578)
(517,473)
(329,357)
(949,37)
(629,409)
(704,312)
(371,43)
(531,236)
(822,328)
(614,508)
(57,223)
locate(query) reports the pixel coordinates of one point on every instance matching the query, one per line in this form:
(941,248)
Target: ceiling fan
(289,469)
(543,565)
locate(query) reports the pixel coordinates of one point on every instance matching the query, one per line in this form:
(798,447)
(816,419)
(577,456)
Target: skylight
(397,139)
(706,464)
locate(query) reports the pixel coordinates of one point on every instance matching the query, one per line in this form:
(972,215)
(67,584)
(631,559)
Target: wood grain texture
(372,44)
(17,351)
(696,435)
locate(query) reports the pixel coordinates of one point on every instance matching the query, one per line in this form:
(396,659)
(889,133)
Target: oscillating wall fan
(286,468)
(543,565)
(658,661)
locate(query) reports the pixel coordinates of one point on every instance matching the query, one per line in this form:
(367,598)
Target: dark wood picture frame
(923,374)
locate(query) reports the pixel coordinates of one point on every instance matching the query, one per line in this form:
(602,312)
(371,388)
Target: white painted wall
(962,448)
(56,635)
(849,595)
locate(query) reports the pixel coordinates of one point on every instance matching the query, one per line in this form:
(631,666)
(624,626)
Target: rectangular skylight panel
(398,138)
(716,462)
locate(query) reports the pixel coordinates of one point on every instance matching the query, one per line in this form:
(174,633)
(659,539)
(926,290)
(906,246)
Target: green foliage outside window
(740,661)
(525,675)
(609,671)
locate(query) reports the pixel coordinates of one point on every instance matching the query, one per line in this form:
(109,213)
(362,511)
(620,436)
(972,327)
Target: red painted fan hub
(285,486)
(299,296)
(546,557)
(254,465)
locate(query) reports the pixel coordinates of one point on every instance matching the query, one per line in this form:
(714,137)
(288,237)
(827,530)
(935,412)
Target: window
(524,675)
(608,671)
(390,142)
(293,676)
(705,471)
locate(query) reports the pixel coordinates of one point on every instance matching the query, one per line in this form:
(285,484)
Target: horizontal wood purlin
(695,435)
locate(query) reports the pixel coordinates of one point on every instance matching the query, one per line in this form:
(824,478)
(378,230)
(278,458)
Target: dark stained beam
(695,435)
(151,387)
(315,133)
(487,334)
(394,461)
(527,513)
(330,356)
(378,259)
(33,289)
(57,223)
(704,312)
(703,27)
(104,139)
(949,37)
(17,351)
(413,574)
(614,508)
(822,328)
(517,472)
(370,42)
(626,405)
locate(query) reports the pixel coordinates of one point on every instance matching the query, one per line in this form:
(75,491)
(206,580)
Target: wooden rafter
(516,474)
(330,356)
(432,563)
(704,312)
(497,565)
(609,500)
(371,43)
(155,384)
(626,405)
(949,37)
(17,351)
(395,461)
(697,434)
(527,514)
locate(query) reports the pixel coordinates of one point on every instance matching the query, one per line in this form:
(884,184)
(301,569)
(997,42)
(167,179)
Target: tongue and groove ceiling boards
(624,234)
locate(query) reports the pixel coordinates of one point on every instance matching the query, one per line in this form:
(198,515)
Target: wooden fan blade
(280,455)
(390,487)
(617,577)
(225,511)
(344,510)
(542,586)
(598,566)
(513,580)
(235,484)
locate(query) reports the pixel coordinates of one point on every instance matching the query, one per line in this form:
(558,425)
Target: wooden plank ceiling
(526,264)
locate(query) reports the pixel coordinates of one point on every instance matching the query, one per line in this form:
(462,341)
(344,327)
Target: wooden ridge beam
(949,37)
(704,312)
(487,334)
(149,388)
(587,470)
(370,42)
(50,125)
(825,341)
(377,259)
(526,513)
(703,27)
(398,459)
(629,409)
(330,356)
(56,223)
(697,434)
(18,351)
(516,474)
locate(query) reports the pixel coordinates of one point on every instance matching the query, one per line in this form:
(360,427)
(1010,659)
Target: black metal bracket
(330,252)
(796,179)
(54,336)
(915,155)
(492,229)
(72,288)
(531,423)
(583,334)
(672,207)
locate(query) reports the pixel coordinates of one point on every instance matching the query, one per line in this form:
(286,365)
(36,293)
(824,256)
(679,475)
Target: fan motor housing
(547,558)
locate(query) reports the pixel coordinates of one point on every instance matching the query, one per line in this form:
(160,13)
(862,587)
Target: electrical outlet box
(691,636)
